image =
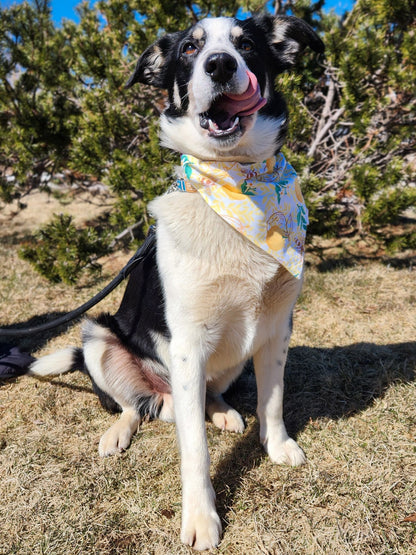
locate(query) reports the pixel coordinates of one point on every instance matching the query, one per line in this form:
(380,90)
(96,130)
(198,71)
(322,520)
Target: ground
(350,403)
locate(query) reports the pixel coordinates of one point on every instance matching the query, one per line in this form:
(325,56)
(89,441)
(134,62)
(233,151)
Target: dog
(206,298)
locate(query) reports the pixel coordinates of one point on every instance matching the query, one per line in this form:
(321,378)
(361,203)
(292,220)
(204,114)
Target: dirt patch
(40,206)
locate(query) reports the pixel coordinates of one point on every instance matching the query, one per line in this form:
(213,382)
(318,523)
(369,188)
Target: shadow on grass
(320,383)
(330,263)
(15,239)
(341,381)
(36,340)
(341,263)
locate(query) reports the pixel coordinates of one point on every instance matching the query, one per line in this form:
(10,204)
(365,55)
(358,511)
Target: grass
(350,402)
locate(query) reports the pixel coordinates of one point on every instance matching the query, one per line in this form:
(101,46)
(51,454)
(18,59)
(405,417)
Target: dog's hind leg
(131,382)
(118,437)
(223,415)
(167,413)
(220,412)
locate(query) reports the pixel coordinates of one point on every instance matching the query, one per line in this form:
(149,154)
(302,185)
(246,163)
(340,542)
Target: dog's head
(220,77)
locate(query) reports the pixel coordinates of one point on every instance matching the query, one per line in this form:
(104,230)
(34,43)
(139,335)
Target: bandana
(262,201)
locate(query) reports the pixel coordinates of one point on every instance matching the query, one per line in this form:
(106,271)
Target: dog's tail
(60,362)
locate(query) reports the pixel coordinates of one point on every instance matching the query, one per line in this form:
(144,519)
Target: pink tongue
(246,103)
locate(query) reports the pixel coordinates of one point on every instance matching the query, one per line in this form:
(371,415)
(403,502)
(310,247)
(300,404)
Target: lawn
(350,401)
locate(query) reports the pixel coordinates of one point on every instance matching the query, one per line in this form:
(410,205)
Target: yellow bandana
(262,201)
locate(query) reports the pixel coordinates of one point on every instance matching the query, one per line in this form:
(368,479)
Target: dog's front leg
(201,526)
(269,365)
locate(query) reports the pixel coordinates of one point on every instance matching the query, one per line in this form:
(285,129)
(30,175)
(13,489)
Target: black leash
(148,247)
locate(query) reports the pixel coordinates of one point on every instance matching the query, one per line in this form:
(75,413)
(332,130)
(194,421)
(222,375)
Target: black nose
(220,67)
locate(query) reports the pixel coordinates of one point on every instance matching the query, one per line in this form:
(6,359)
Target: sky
(65,8)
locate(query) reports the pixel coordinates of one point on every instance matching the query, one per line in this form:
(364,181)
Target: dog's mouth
(224,116)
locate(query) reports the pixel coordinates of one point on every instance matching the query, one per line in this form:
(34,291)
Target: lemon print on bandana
(262,201)
(276,231)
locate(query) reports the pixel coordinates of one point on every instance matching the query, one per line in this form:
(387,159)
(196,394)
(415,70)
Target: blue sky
(65,8)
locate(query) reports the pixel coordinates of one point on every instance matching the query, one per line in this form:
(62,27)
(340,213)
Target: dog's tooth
(212,126)
(218,132)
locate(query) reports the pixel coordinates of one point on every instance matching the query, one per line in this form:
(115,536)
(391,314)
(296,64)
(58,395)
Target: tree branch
(321,134)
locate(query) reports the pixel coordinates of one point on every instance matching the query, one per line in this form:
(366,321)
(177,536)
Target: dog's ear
(288,36)
(152,67)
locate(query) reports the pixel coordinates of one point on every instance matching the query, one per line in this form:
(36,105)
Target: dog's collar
(262,201)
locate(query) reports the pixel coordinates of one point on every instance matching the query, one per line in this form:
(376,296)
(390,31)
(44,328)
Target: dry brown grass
(350,401)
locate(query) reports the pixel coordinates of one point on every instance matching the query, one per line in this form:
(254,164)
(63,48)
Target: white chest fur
(217,282)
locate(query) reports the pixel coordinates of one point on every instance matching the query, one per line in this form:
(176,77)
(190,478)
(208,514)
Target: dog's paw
(116,439)
(285,452)
(229,420)
(201,530)
(167,413)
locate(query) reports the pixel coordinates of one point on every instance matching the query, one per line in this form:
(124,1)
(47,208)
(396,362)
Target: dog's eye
(246,45)
(189,49)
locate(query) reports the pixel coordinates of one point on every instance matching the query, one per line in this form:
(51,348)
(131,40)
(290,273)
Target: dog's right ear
(153,64)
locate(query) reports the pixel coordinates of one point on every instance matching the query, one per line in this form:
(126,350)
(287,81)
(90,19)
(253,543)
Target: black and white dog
(208,299)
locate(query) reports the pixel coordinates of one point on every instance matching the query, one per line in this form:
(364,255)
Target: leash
(147,248)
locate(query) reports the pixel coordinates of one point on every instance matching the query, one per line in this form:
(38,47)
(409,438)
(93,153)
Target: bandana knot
(262,201)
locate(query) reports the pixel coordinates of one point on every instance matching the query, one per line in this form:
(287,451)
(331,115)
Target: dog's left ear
(288,36)
(153,65)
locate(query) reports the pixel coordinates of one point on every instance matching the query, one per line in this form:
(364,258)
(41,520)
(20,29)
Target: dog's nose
(221,67)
